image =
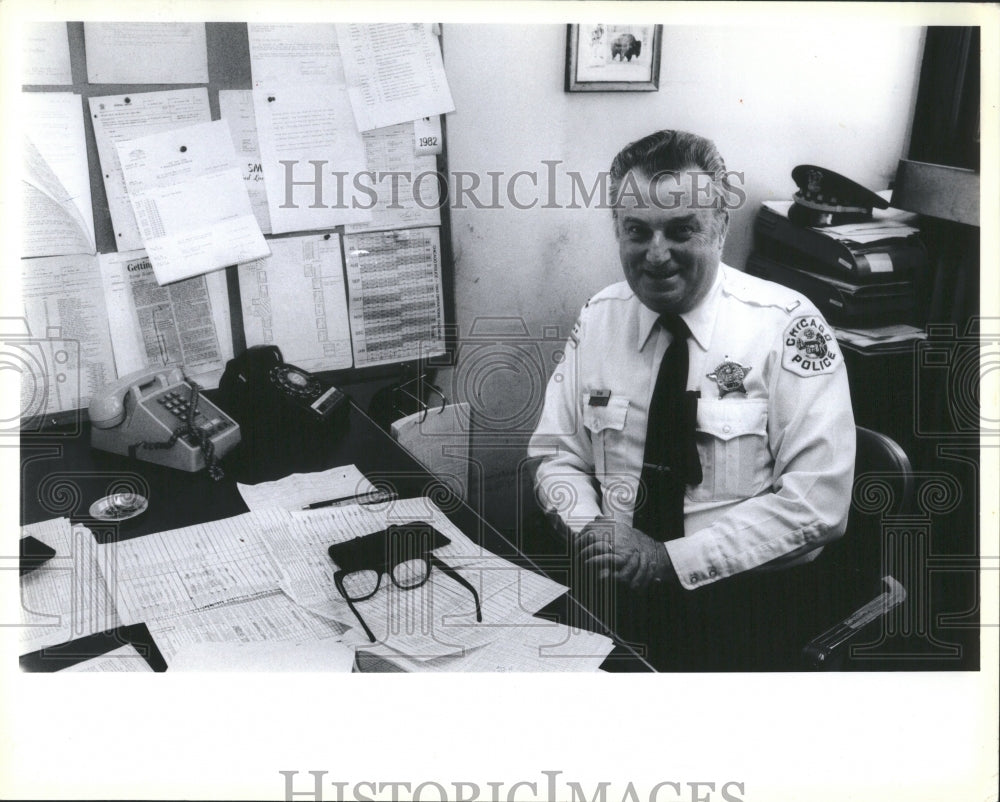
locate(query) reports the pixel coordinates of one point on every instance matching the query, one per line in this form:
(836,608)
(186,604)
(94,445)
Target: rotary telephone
(259,385)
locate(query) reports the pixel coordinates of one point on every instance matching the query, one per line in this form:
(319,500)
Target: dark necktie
(670,460)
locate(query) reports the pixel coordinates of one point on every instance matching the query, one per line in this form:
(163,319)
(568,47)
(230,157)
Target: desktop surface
(61,476)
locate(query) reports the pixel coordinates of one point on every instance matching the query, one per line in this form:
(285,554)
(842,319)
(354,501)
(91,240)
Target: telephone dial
(259,383)
(158,416)
(290,418)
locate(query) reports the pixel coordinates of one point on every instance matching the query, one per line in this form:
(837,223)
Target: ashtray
(118,507)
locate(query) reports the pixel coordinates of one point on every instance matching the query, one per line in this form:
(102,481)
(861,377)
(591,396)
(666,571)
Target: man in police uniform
(773,428)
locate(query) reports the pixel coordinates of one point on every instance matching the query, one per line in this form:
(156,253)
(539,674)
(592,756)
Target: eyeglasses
(403,552)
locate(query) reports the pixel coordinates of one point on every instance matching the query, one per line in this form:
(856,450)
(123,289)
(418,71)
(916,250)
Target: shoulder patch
(810,347)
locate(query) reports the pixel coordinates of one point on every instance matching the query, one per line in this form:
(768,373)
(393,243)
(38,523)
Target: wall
(770,97)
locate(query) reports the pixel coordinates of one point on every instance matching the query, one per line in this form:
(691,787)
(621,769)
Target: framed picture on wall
(603,57)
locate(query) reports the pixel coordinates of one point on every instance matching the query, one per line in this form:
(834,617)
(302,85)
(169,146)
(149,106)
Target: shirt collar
(700,320)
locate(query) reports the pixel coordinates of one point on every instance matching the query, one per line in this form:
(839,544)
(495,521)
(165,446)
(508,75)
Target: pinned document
(309,148)
(190,201)
(236,108)
(384,270)
(395,73)
(120,117)
(185,323)
(146,52)
(58,216)
(295,299)
(70,349)
(45,47)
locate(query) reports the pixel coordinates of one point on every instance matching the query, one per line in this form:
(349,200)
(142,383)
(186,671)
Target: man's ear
(722,225)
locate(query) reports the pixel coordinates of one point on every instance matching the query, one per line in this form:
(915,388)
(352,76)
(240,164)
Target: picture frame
(606,57)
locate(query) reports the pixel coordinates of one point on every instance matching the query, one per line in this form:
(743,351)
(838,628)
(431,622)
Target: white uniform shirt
(777,452)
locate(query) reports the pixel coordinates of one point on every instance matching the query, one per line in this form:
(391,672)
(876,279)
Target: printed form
(236,108)
(395,73)
(326,656)
(185,323)
(395,295)
(537,646)
(310,151)
(193,568)
(67,318)
(146,52)
(58,217)
(435,619)
(190,201)
(45,50)
(120,117)
(206,639)
(273,294)
(404,185)
(66,598)
(289,53)
(298,490)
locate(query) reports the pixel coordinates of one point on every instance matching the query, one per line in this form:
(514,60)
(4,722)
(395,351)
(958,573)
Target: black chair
(851,569)
(843,583)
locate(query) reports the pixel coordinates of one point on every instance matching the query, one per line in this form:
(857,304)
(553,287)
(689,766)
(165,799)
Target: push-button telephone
(158,416)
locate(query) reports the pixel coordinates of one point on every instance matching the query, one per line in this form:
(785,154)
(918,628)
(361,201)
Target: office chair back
(881,466)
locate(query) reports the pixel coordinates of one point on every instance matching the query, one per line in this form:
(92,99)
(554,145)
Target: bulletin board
(229,68)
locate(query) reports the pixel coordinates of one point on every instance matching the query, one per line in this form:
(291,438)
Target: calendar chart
(395,295)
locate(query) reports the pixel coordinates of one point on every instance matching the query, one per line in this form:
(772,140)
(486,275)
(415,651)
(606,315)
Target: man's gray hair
(673,152)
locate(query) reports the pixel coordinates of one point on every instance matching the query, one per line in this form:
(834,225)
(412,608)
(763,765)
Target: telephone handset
(158,416)
(258,381)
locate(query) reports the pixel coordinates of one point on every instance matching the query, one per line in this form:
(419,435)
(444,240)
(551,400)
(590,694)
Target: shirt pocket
(606,425)
(732,445)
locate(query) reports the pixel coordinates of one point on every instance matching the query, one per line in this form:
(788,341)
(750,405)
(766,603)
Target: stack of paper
(881,338)
(66,598)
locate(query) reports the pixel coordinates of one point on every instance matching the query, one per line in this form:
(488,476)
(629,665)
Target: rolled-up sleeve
(811,438)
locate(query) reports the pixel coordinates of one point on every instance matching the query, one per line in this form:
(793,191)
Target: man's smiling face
(669,244)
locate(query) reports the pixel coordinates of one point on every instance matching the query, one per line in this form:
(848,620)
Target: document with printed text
(117,118)
(394,71)
(66,598)
(403,186)
(190,200)
(295,299)
(45,50)
(395,295)
(185,323)
(58,217)
(146,52)
(210,639)
(71,343)
(310,151)
(236,108)
(193,568)
(286,53)
(301,489)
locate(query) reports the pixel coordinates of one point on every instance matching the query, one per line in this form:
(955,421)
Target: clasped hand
(620,552)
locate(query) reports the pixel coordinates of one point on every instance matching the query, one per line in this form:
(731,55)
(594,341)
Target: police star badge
(729,376)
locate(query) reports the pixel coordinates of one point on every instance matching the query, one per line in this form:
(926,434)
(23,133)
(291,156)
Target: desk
(61,476)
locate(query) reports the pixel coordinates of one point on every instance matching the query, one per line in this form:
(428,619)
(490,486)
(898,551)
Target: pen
(372,497)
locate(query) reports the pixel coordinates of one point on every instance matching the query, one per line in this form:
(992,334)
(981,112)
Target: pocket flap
(610,416)
(731,418)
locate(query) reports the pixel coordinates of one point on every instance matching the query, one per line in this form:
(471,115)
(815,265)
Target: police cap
(826,198)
